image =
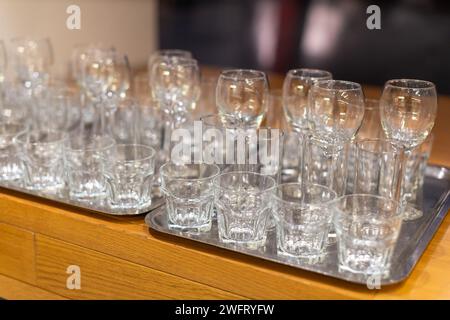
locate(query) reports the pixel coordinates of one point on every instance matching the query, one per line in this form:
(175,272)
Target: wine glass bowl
(243,94)
(296,86)
(408,110)
(336,109)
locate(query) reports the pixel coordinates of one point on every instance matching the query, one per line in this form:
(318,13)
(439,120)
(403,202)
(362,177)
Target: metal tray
(414,236)
(102,207)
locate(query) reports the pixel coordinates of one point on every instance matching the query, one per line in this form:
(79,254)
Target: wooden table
(119,257)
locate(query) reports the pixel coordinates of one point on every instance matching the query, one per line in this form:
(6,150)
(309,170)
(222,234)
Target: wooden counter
(120,259)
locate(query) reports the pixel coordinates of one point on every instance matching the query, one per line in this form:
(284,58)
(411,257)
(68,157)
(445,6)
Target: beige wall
(130,25)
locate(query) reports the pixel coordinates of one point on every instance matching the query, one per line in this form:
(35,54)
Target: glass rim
(398,214)
(403,84)
(19,136)
(211,165)
(260,175)
(136,145)
(319,186)
(255,74)
(326,75)
(323,85)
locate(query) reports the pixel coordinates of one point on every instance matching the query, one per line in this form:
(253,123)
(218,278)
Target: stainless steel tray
(102,207)
(414,236)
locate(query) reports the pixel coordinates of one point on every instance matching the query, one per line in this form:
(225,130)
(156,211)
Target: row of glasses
(93,170)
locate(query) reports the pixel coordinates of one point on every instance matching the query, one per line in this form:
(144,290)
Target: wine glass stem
(304,137)
(400,173)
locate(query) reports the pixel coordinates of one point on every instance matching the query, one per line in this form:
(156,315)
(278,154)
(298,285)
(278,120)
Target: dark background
(271,35)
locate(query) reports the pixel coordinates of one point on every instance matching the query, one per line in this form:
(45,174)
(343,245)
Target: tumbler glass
(189,195)
(41,152)
(85,167)
(129,173)
(303,218)
(242,200)
(367,229)
(10,165)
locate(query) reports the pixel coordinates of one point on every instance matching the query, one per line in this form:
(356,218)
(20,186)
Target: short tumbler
(85,166)
(10,166)
(189,195)
(129,174)
(367,228)
(242,200)
(303,218)
(41,153)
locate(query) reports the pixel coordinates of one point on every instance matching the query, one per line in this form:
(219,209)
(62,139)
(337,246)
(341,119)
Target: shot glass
(303,218)
(242,200)
(41,154)
(84,163)
(10,165)
(129,174)
(189,195)
(367,229)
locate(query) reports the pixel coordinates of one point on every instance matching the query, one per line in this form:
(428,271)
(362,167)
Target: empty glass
(242,93)
(129,173)
(85,165)
(408,109)
(189,195)
(243,203)
(10,165)
(31,60)
(303,218)
(367,228)
(41,152)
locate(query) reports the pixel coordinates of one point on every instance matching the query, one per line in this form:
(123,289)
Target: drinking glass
(243,203)
(31,60)
(296,87)
(124,124)
(367,228)
(189,195)
(303,218)
(41,153)
(84,163)
(408,109)
(129,173)
(336,110)
(242,93)
(175,86)
(16,104)
(3,65)
(370,129)
(10,165)
(168,53)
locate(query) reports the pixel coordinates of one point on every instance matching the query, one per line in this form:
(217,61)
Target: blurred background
(272,35)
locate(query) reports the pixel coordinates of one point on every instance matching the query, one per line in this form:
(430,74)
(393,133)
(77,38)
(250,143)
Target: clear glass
(17,104)
(31,60)
(189,195)
(10,165)
(124,124)
(129,174)
(303,218)
(3,64)
(168,53)
(41,153)
(367,229)
(296,86)
(243,204)
(83,156)
(242,94)
(408,109)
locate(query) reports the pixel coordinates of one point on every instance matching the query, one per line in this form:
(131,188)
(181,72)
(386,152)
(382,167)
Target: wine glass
(408,110)
(32,60)
(296,86)
(2,68)
(175,86)
(243,94)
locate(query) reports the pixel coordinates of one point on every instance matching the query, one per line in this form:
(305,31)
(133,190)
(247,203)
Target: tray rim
(157,201)
(441,208)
